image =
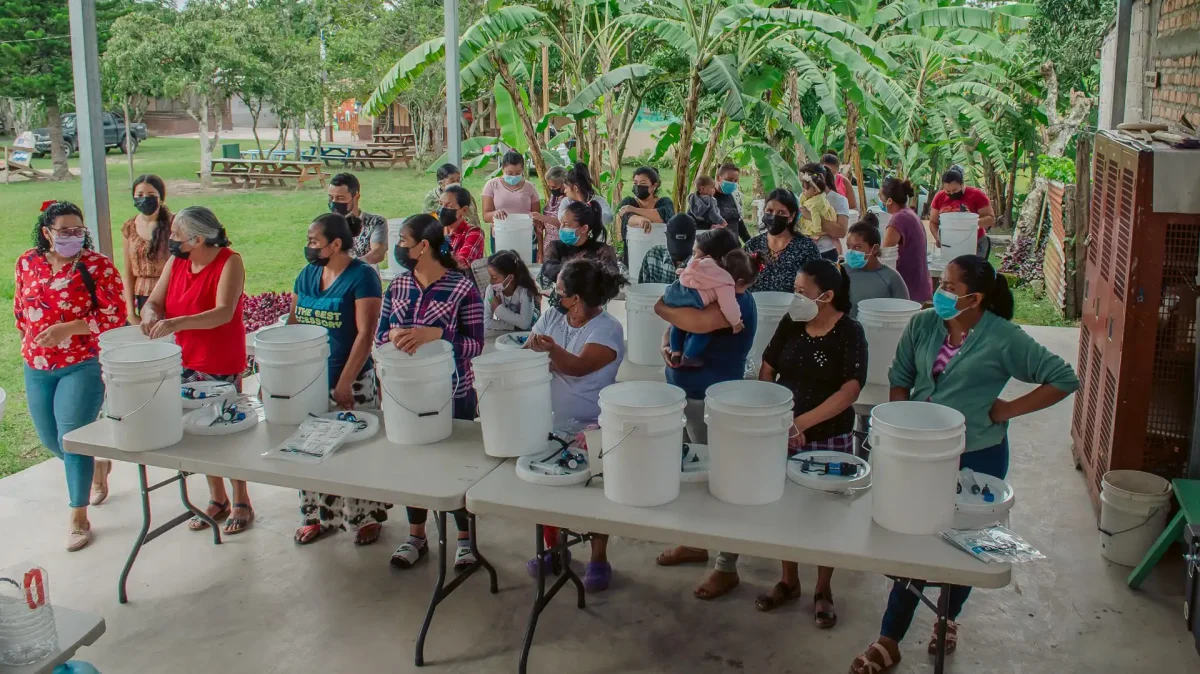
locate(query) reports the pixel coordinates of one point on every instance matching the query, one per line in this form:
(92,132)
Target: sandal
(951,638)
(311,533)
(781,594)
(721,587)
(464,557)
(828,618)
(410,552)
(874,660)
(682,555)
(597,576)
(236,525)
(198,523)
(367,533)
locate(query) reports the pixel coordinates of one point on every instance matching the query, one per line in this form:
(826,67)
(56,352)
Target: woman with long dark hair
(783,249)
(145,237)
(905,229)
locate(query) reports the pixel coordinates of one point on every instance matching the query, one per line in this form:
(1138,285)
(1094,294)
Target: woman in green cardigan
(961,354)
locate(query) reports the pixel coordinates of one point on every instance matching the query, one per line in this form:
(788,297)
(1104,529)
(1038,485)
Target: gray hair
(199,221)
(557,173)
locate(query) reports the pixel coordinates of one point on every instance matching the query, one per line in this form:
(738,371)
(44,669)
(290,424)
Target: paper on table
(314,441)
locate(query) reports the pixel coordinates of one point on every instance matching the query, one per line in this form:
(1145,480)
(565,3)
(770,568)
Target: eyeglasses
(70,231)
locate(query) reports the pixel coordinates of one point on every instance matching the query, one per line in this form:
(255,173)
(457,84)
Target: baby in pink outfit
(703,281)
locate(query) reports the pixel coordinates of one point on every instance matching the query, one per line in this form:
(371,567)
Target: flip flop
(237,525)
(702,593)
(368,534)
(311,533)
(781,594)
(674,557)
(199,524)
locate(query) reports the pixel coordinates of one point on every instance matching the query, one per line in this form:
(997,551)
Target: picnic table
(359,156)
(271,154)
(397,138)
(255,173)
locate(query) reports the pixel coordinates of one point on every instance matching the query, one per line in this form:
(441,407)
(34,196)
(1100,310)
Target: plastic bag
(994,545)
(314,441)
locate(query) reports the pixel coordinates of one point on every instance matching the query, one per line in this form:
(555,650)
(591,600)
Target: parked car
(114,135)
(872,182)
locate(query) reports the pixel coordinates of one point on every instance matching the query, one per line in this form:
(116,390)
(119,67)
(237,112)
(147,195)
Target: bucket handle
(963,240)
(1144,522)
(149,400)
(276,396)
(434,413)
(610,450)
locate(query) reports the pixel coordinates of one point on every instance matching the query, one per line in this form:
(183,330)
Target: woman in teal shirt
(961,354)
(343,295)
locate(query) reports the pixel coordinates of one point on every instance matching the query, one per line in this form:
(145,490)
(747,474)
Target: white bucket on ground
(394,227)
(971,511)
(645,327)
(141,384)
(639,243)
(513,389)
(515,233)
(641,429)
(748,426)
(959,233)
(129,334)
(915,448)
(772,307)
(418,392)
(1133,512)
(293,372)
(883,320)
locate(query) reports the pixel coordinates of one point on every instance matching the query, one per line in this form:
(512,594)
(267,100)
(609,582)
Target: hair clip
(48,204)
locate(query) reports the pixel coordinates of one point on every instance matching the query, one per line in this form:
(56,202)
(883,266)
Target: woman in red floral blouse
(66,295)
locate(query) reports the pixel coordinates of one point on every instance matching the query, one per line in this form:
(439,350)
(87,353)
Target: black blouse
(814,368)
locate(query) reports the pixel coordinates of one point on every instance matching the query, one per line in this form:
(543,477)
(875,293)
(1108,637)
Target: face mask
(68,246)
(728,186)
(556,192)
(775,224)
(176,249)
(563,310)
(448,216)
(641,191)
(568,236)
(955,196)
(313,255)
(945,303)
(856,259)
(803,309)
(146,205)
(405,258)
(339,207)
(512,181)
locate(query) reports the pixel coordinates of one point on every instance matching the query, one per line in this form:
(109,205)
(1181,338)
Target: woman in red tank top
(198,299)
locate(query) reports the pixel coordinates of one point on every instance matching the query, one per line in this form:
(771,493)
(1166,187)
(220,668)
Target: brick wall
(1177,60)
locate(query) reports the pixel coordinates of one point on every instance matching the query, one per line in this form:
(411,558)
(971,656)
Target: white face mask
(803,309)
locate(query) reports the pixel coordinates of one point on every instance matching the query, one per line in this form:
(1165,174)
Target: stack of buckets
(645,327)
(771,308)
(639,243)
(959,233)
(515,233)
(418,392)
(641,430)
(915,449)
(293,372)
(513,389)
(883,320)
(141,383)
(748,427)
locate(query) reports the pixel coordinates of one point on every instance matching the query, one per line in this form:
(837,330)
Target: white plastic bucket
(641,430)
(915,448)
(293,372)
(1133,512)
(883,320)
(515,233)
(645,327)
(771,308)
(129,334)
(142,394)
(971,511)
(958,233)
(889,256)
(639,243)
(394,227)
(418,392)
(513,389)
(883,216)
(748,425)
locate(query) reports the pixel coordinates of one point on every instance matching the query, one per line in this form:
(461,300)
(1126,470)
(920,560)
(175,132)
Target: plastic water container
(394,227)
(748,426)
(293,372)
(418,392)
(645,327)
(28,633)
(915,448)
(971,511)
(1133,512)
(141,384)
(639,243)
(959,234)
(513,389)
(641,430)
(883,320)
(129,334)
(515,233)
(772,307)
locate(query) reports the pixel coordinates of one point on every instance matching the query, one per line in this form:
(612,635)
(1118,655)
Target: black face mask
(176,249)
(313,255)
(556,192)
(561,309)
(448,216)
(955,196)
(641,191)
(775,224)
(404,257)
(146,205)
(339,207)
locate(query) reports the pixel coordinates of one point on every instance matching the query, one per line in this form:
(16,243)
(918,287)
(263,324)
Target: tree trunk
(1012,184)
(205,148)
(852,152)
(128,144)
(714,142)
(595,160)
(255,111)
(796,117)
(535,148)
(683,151)
(296,140)
(57,154)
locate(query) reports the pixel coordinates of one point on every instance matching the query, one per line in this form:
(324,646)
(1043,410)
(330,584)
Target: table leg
(145,535)
(943,612)
(542,597)
(1169,535)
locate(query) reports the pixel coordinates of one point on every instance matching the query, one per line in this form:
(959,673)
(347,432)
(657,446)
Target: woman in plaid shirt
(433,301)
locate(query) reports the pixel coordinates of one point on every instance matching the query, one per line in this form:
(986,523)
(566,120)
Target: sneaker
(410,552)
(463,557)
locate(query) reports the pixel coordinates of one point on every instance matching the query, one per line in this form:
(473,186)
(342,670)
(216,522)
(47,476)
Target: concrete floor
(258,604)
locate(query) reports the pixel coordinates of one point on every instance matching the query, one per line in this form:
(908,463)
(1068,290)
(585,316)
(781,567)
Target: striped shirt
(944,355)
(451,303)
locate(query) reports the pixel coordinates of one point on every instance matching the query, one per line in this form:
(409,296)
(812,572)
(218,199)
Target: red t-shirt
(973,200)
(217,351)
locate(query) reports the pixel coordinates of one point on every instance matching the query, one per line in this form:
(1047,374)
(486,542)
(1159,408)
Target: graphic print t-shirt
(333,308)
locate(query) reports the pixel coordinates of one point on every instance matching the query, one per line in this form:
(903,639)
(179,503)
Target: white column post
(89,123)
(453,104)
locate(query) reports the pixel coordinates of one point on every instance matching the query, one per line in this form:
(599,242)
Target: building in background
(1162,67)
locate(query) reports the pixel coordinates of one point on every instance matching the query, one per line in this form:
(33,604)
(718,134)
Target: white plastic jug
(883,320)
(513,389)
(142,394)
(418,392)
(28,633)
(293,372)
(515,233)
(748,426)
(915,448)
(639,243)
(645,327)
(959,234)
(129,334)
(1133,512)
(641,430)
(771,308)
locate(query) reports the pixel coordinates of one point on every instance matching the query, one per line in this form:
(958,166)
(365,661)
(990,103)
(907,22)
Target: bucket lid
(889,305)
(959,218)
(435,350)
(140,353)
(914,416)
(974,504)
(289,335)
(129,334)
(751,395)
(645,394)
(515,220)
(645,291)
(656,229)
(497,362)
(766,300)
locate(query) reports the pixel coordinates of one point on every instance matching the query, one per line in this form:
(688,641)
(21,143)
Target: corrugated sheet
(1054,267)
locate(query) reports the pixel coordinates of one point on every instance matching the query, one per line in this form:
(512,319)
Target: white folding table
(434,476)
(805,526)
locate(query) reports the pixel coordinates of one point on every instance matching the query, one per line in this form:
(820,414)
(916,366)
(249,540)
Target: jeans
(690,344)
(902,603)
(60,401)
(464,408)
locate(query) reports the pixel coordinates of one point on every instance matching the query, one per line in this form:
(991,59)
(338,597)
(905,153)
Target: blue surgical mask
(856,259)
(512,180)
(568,236)
(728,186)
(945,303)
